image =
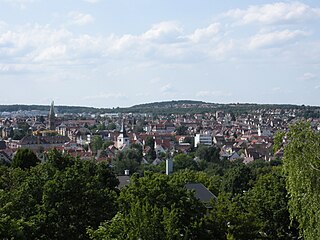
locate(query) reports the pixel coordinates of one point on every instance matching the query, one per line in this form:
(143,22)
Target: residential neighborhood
(244,137)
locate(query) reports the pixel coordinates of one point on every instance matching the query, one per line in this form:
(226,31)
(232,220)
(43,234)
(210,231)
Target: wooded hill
(173,107)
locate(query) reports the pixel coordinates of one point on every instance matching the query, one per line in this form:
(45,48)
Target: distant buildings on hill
(243,136)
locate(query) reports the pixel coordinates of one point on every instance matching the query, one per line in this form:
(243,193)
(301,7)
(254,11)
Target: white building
(123,140)
(202,139)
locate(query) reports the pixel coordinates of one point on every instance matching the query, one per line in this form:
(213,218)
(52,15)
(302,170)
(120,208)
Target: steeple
(123,139)
(52,117)
(123,130)
(51,112)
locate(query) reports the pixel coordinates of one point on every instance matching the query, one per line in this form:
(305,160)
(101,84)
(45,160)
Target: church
(123,140)
(51,118)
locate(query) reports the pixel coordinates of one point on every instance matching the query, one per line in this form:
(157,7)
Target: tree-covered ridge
(174,107)
(170,104)
(63,109)
(192,107)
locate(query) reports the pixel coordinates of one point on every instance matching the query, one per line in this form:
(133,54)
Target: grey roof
(27,140)
(3,145)
(157,161)
(201,192)
(5,159)
(123,181)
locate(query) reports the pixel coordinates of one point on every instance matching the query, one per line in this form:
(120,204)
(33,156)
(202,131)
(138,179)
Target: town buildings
(244,136)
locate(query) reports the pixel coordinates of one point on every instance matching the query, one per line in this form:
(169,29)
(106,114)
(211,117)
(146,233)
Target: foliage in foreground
(302,166)
(153,208)
(65,198)
(56,200)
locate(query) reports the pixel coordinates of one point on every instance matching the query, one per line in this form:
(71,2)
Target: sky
(118,53)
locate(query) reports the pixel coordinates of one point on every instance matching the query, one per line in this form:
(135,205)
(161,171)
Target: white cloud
(273,38)
(275,13)
(3,25)
(308,76)
(33,35)
(105,96)
(166,88)
(276,89)
(80,19)
(27,43)
(164,43)
(122,43)
(51,53)
(216,93)
(222,48)
(167,41)
(91,1)
(164,40)
(19,3)
(13,68)
(205,34)
(42,43)
(165,32)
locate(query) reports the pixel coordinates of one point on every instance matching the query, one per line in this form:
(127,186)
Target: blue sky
(110,53)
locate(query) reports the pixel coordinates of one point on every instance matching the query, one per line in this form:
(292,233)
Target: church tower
(123,139)
(52,118)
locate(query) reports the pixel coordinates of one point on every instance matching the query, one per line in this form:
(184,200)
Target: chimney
(169,166)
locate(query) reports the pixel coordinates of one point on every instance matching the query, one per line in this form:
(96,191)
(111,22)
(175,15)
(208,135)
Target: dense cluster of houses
(246,137)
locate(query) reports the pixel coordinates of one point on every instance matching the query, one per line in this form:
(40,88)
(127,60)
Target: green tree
(153,208)
(24,158)
(101,126)
(128,159)
(18,134)
(302,167)
(82,195)
(237,179)
(259,167)
(97,143)
(138,148)
(138,129)
(50,202)
(112,126)
(59,160)
(278,141)
(229,219)
(106,144)
(268,202)
(212,182)
(209,154)
(182,130)
(184,161)
(151,154)
(149,142)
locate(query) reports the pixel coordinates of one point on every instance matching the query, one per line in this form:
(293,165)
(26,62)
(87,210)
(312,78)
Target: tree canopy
(25,158)
(302,167)
(56,199)
(153,208)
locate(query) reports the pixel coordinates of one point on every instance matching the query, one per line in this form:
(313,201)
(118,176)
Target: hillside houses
(244,136)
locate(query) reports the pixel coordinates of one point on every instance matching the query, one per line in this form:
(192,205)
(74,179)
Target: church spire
(123,140)
(52,117)
(51,112)
(123,130)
